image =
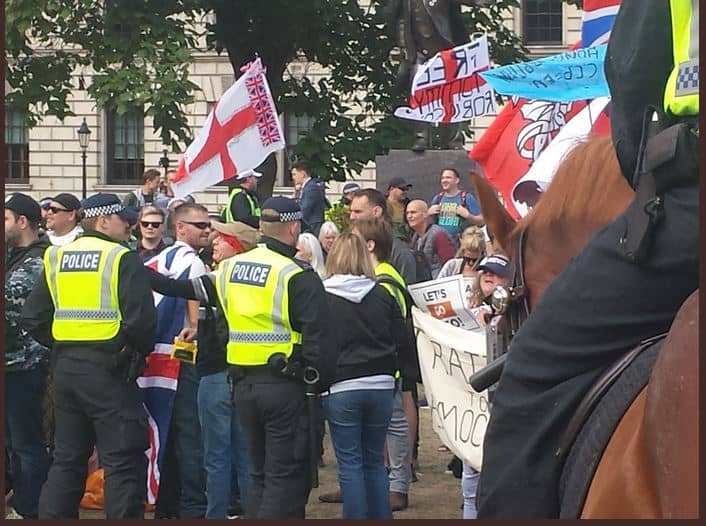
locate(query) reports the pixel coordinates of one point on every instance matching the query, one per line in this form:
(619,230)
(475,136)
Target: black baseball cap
(68,201)
(399,182)
(24,205)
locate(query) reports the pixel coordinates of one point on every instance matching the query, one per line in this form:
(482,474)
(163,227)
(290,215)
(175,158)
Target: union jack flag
(598,18)
(160,380)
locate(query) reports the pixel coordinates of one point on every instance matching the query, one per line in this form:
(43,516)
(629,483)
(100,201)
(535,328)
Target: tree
(139,52)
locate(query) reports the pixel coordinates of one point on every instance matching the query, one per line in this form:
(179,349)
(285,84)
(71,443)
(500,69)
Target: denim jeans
(188,449)
(399,447)
(358,421)
(223,442)
(24,438)
(469,486)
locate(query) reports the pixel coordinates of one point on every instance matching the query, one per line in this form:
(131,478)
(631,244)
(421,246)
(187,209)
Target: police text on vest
(80,261)
(250,274)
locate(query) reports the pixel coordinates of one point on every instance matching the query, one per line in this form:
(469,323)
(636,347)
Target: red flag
(516,138)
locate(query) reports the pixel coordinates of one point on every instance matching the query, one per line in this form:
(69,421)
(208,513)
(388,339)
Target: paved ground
(436,495)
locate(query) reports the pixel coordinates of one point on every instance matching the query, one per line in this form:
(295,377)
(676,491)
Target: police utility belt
(659,147)
(278,365)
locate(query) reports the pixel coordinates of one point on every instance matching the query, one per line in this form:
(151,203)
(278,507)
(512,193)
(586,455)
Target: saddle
(595,420)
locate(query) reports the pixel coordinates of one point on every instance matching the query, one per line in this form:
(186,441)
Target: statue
(422,29)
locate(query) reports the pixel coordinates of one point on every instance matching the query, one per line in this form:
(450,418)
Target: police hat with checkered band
(287,210)
(106,204)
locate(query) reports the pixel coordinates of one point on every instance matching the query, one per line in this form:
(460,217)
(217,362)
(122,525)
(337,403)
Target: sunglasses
(201,225)
(153,224)
(55,210)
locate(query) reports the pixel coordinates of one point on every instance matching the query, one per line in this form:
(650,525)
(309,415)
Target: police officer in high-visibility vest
(243,204)
(93,306)
(630,279)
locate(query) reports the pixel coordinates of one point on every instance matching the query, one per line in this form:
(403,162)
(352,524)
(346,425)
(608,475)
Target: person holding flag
(243,204)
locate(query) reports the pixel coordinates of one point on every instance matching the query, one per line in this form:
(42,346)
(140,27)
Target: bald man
(431,240)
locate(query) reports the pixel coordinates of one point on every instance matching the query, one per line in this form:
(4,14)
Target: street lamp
(83,135)
(164,162)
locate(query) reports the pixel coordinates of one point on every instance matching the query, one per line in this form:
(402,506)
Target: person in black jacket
(364,341)
(95,393)
(25,359)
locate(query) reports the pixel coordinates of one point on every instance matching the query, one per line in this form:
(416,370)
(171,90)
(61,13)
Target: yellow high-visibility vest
(254,207)
(254,295)
(386,269)
(83,282)
(681,96)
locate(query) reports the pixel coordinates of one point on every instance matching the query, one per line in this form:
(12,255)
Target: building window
(542,22)
(295,128)
(17,147)
(126,147)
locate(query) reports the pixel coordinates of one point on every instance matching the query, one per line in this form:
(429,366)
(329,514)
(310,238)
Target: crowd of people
(368,370)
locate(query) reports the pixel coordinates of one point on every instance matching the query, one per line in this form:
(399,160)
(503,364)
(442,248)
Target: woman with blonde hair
(360,348)
(309,250)
(472,250)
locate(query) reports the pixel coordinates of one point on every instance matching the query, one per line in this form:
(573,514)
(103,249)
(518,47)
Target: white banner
(447,357)
(446,299)
(448,87)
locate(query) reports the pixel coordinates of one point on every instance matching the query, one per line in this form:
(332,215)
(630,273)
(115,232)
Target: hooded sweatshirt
(363,336)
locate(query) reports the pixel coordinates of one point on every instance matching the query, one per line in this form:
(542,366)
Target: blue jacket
(313,204)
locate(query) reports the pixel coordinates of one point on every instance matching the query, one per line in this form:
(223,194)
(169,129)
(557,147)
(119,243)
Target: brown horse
(649,466)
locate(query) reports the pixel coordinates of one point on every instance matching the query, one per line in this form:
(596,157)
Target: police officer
(629,281)
(93,305)
(243,204)
(272,305)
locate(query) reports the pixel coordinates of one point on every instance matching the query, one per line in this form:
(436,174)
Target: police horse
(631,449)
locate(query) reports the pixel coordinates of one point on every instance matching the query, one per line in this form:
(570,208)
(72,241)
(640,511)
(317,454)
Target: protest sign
(448,88)
(571,76)
(447,357)
(446,299)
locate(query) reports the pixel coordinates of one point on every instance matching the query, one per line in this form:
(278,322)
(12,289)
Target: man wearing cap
(348,190)
(25,359)
(243,204)
(396,202)
(312,197)
(63,218)
(272,305)
(93,306)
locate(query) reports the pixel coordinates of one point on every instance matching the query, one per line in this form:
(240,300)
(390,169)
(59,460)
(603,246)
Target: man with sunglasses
(92,305)
(151,240)
(62,219)
(185,499)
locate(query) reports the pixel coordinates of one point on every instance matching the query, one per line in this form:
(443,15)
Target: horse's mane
(588,187)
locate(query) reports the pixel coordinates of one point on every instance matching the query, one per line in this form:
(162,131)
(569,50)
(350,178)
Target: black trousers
(95,407)
(273,413)
(597,309)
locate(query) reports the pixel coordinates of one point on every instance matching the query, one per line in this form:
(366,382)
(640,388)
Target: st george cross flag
(598,18)
(238,135)
(448,88)
(159,381)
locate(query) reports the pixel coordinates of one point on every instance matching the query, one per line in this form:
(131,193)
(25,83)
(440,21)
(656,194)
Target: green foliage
(138,53)
(339,214)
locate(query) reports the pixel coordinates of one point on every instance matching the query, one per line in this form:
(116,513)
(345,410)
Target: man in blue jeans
(25,360)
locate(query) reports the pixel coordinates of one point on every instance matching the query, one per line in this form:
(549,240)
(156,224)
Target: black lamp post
(83,135)
(164,161)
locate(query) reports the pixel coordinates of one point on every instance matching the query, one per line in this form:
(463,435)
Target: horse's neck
(548,251)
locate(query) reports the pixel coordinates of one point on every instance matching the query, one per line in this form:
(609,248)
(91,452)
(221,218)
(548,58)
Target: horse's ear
(497,219)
